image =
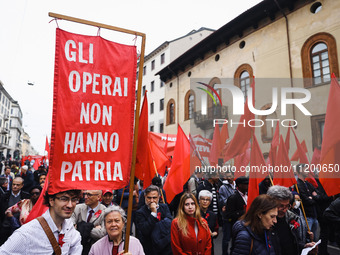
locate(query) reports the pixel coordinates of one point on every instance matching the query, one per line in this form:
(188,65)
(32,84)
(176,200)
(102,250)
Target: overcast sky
(27,40)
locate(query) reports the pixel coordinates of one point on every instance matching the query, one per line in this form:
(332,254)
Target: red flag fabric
(224,136)
(216,146)
(285,176)
(167,141)
(316,157)
(180,168)
(93,113)
(241,137)
(47,148)
(276,136)
(39,208)
(301,150)
(256,174)
(330,150)
(160,158)
(142,156)
(242,160)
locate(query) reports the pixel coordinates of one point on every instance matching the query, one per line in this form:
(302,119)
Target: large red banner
(93,113)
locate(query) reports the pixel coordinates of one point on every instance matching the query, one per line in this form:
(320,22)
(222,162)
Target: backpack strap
(50,235)
(251,245)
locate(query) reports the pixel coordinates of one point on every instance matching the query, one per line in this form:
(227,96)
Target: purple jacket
(104,247)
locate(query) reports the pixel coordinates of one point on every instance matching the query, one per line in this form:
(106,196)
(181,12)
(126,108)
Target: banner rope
(98,32)
(56,21)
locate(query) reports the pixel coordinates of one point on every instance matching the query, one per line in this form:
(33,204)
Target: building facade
(11,129)
(154,62)
(289,44)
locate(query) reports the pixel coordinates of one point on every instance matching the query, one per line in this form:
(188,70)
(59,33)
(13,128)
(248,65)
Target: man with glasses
(31,238)
(287,238)
(89,220)
(150,217)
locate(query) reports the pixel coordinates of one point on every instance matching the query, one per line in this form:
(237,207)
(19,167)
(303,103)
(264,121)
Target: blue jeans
(313,225)
(226,227)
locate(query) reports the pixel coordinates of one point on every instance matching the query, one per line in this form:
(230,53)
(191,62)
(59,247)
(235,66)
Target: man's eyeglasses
(281,206)
(35,193)
(90,195)
(67,199)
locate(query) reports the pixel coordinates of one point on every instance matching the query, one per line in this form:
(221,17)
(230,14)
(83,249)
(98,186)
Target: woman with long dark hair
(251,234)
(190,233)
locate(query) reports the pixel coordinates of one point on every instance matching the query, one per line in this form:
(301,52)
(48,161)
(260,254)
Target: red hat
(107,190)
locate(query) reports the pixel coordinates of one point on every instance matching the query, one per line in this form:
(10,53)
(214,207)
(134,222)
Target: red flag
(276,137)
(224,136)
(241,137)
(215,147)
(47,148)
(316,156)
(166,144)
(242,160)
(180,168)
(39,208)
(160,158)
(330,151)
(144,169)
(284,177)
(255,177)
(301,149)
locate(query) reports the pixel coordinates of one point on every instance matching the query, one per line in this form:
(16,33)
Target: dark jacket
(290,219)
(332,216)
(242,238)
(28,181)
(146,223)
(235,207)
(309,201)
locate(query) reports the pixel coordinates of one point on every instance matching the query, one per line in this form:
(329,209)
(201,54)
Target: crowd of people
(281,220)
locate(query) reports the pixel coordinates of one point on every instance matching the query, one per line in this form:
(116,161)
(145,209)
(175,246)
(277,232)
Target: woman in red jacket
(190,233)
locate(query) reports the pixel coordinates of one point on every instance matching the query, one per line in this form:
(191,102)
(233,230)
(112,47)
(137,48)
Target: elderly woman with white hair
(113,242)
(205,198)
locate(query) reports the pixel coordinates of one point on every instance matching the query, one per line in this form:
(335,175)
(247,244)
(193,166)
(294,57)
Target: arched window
(189,105)
(319,59)
(320,63)
(245,83)
(171,112)
(243,77)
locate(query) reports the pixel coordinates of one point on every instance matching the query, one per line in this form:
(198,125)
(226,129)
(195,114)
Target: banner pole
(135,140)
(140,78)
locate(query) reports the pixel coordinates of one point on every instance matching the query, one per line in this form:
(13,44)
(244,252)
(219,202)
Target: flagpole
(134,152)
(303,209)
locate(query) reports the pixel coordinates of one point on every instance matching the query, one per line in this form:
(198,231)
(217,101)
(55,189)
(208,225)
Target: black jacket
(146,223)
(235,207)
(309,201)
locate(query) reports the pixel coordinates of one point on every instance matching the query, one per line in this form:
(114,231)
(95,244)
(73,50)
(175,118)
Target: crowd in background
(280,220)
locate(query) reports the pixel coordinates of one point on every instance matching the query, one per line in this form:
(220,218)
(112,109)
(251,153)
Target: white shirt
(31,239)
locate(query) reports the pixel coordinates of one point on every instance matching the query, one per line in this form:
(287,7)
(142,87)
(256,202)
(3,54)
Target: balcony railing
(4,130)
(205,122)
